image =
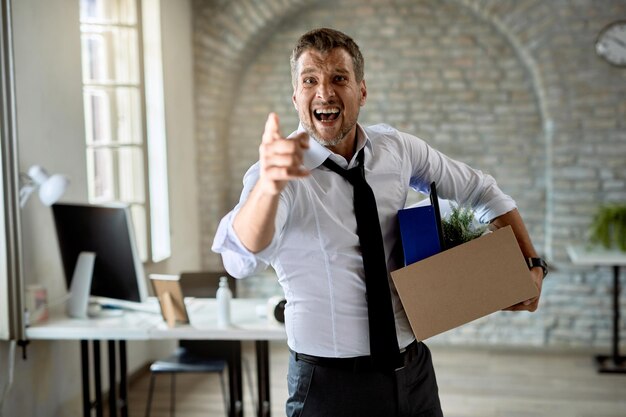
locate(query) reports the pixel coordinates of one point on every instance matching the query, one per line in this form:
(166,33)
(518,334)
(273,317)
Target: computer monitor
(107,231)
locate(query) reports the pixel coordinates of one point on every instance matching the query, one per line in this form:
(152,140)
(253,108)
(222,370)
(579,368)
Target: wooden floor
(472,383)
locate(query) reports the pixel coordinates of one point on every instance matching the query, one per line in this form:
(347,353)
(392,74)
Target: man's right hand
(280,161)
(280,158)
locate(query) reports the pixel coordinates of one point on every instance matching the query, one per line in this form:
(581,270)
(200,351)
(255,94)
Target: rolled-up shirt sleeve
(456,181)
(238,260)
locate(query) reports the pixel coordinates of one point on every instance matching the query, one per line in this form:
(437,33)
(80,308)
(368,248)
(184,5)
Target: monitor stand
(81,305)
(77,304)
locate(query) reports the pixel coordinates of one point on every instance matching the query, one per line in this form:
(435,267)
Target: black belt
(358,363)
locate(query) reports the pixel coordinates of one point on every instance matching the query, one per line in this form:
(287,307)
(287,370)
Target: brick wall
(510,87)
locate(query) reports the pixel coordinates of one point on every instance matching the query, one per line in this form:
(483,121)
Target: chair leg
(150,391)
(173,395)
(224,394)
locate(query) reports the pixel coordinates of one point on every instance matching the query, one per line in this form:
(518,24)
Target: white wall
(179,121)
(51,133)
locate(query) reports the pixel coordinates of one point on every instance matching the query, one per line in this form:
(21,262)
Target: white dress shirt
(315,250)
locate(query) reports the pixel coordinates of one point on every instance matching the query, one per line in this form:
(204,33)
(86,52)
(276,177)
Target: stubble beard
(345,129)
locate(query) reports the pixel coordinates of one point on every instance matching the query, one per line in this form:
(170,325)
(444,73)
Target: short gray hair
(325,40)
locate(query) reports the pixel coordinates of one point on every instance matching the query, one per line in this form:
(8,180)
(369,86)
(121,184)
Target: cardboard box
(464,283)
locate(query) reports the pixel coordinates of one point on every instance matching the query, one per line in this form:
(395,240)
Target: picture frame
(168,291)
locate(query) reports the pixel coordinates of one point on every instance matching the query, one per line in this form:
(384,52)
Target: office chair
(200,356)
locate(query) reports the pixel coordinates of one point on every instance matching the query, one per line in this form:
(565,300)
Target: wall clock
(611,43)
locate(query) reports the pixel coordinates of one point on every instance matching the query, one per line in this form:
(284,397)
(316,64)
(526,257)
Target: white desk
(580,255)
(246,324)
(145,326)
(131,325)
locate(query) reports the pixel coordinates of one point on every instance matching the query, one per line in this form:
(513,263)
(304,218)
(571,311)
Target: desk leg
(235,385)
(98,404)
(97,375)
(263,377)
(112,379)
(123,380)
(614,363)
(84,359)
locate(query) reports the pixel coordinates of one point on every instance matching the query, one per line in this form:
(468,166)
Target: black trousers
(320,391)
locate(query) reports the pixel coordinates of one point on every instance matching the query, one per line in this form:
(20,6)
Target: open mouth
(326,115)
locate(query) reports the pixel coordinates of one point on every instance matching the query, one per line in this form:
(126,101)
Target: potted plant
(460,227)
(608,227)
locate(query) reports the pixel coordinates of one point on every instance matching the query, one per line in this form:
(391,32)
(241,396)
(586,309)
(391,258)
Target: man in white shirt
(298,216)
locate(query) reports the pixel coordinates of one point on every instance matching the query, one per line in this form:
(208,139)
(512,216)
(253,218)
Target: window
(124,116)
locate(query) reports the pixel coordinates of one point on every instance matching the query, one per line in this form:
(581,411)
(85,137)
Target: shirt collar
(317,154)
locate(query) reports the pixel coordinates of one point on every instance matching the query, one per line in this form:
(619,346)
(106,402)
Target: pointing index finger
(272,128)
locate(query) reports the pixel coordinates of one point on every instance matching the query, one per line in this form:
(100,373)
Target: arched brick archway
(232,37)
(226,36)
(564,156)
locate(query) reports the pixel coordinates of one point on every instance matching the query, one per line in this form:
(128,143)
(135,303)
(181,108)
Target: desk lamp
(51,188)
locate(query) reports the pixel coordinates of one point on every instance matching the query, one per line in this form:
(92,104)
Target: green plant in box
(459,227)
(609,227)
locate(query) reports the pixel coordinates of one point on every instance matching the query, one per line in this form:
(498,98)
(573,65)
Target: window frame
(142,204)
(11,267)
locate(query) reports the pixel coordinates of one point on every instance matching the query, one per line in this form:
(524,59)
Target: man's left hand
(533,303)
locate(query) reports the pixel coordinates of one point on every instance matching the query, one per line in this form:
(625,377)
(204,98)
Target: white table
(597,256)
(134,325)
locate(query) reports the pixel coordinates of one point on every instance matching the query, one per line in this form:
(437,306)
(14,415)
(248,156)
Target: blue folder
(420,230)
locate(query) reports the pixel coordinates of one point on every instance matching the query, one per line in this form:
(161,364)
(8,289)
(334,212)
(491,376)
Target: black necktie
(383,340)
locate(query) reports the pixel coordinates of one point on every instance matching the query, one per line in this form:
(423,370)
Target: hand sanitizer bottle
(223,297)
